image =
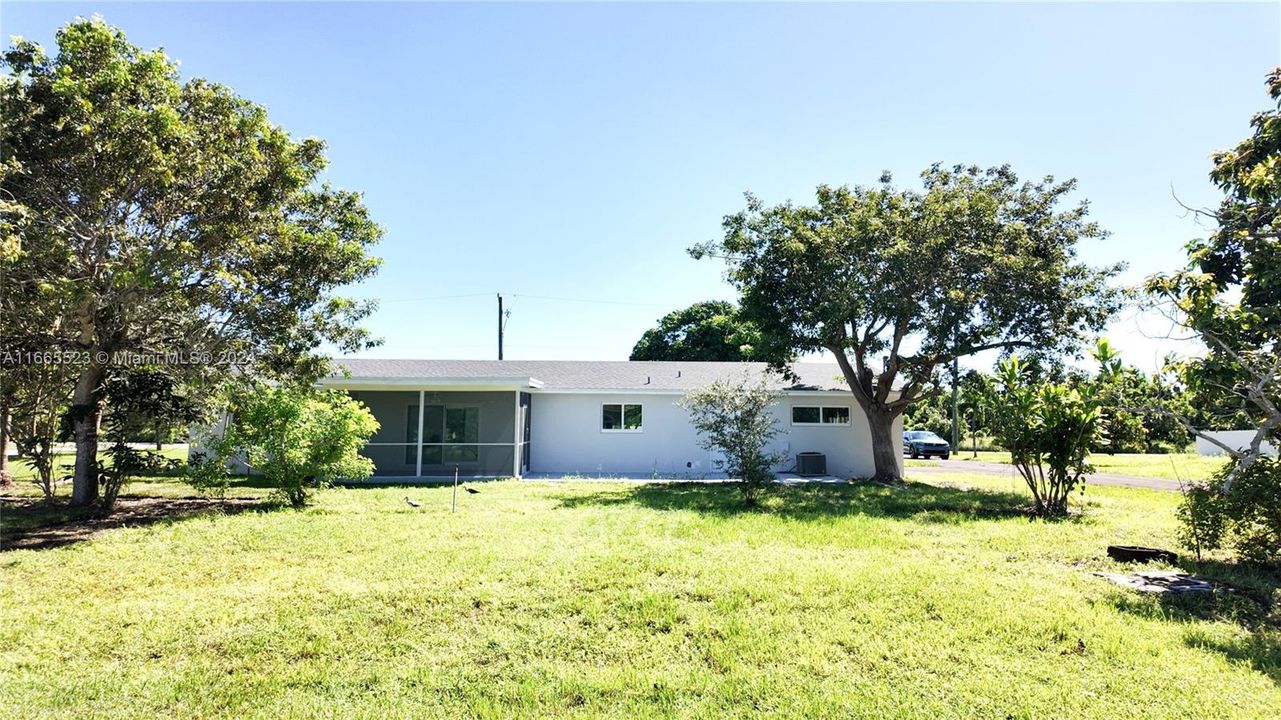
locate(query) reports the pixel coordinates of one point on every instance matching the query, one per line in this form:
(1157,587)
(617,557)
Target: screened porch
(432,433)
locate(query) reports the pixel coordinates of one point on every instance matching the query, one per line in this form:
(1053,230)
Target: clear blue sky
(576,150)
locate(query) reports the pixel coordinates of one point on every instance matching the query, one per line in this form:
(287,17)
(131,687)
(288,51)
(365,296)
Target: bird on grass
(412,503)
(473,492)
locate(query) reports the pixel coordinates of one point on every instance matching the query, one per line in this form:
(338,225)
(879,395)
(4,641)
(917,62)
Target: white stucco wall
(200,437)
(565,437)
(1238,439)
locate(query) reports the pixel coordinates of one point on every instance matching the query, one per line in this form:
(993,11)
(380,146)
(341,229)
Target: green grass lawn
(64,464)
(1175,466)
(599,599)
(24,488)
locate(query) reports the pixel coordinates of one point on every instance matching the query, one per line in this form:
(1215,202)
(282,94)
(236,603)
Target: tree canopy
(896,283)
(1230,293)
(705,331)
(145,214)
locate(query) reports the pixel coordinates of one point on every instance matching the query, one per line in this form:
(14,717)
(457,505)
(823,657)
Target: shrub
(299,440)
(733,417)
(1048,429)
(37,452)
(1246,519)
(207,475)
(139,400)
(126,463)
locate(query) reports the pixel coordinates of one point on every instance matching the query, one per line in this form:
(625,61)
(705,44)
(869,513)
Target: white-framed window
(820,415)
(621,417)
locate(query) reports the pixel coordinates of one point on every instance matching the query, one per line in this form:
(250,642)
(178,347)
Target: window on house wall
(836,416)
(805,415)
(821,415)
(621,417)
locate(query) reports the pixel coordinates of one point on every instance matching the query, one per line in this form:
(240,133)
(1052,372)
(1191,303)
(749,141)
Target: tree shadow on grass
(1260,648)
(813,501)
(31,524)
(1247,597)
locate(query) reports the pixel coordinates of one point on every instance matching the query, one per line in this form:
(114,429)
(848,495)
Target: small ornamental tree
(1113,387)
(1048,429)
(300,440)
(36,447)
(976,392)
(1229,295)
(733,417)
(38,418)
(1136,407)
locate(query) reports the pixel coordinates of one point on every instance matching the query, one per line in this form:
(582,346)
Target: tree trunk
(6,415)
(86,413)
(886,448)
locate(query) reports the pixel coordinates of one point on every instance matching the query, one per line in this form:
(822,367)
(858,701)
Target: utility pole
(500,326)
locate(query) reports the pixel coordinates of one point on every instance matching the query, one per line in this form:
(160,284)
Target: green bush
(299,440)
(124,464)
(208,475)
(1048,429)
(1246,519)
(733,417)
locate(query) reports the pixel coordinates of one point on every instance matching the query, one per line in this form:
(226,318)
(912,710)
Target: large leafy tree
(704,331)
(148,214)
(1230,293)
(896,283)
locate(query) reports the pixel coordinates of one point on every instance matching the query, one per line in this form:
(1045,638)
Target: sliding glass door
(462,432)
(450,434)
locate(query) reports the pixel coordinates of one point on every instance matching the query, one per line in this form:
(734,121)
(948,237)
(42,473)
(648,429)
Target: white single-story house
(514,418)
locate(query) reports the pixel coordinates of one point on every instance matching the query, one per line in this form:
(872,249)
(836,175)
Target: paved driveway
(979,467)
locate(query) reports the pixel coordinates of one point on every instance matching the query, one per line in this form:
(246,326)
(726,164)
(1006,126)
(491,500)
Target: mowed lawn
(598,599)
(1174,466)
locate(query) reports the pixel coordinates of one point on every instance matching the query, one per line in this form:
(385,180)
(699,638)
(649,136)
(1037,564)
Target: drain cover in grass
(1162,581)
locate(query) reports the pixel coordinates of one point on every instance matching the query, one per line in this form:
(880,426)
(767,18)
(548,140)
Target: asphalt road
(979,467)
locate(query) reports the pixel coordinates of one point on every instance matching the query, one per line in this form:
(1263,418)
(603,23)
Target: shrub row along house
(521,418)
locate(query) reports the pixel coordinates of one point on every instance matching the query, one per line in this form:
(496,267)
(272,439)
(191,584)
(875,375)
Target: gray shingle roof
(591,374)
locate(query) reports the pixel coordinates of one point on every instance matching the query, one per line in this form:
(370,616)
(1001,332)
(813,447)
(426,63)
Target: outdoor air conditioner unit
(811,463)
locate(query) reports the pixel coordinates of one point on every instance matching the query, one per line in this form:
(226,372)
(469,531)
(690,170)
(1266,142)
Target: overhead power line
(553,298)
(592,301)
(437,297)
